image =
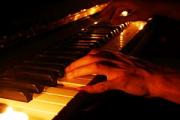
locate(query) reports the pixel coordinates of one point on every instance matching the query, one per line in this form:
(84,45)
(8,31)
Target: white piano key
(51,101)
(77,82)
(35,108)
(50,98)
(61,90)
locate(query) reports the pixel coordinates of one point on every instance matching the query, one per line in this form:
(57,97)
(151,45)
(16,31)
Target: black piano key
(88,41)
(105,25)
(50,72)
(99,30)
(43,63)
(50,56)
(79,47)
(33,76)
(72,49)
(105,29)
(13,84)
(39,78)
(83,49)
(64,62)
(88,44)
(55,71)
(16,95)
(116,28)
(85,34)
(94,43)
(59,69)
(98,37)
(63,53)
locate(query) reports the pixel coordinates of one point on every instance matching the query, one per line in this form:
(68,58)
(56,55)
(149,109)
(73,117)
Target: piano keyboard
(37,85)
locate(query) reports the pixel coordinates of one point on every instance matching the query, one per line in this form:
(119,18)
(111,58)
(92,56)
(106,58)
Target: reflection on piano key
(77,82)
(12,84)
(59,90)
(16,95)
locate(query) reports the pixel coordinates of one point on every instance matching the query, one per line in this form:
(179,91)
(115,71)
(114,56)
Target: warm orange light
(81,14)
(92,10)
(10,114)
(139,24)
(121,40)
(127,34)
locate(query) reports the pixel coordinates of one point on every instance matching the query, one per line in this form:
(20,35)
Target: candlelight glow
(10,114)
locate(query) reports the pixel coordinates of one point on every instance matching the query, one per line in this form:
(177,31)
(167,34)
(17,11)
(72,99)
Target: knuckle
(93,58)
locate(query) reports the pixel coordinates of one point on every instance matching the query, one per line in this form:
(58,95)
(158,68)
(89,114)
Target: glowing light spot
(10,114)
(139,24)
(92,10)
(84,10)
(124,13)
(121,39)
(82,29)
(96,22)
(149,19)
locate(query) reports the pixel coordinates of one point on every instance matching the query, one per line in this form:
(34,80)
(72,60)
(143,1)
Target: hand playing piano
(123,72)
(128,74)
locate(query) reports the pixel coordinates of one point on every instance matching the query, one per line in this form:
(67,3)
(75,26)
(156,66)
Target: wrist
(154,85)
(165,86)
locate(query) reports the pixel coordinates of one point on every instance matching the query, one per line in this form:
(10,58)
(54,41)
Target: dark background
(17,15)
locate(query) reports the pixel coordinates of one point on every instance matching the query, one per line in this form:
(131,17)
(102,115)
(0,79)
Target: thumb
(97,88)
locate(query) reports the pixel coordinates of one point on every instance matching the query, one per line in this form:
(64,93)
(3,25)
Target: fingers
(88,59)
(93,57)
(97,88)
(94,68)
(96,56)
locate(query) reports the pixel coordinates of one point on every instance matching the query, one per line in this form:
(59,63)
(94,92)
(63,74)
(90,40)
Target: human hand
(123,72)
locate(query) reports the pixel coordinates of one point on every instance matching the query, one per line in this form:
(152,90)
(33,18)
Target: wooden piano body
(41,53)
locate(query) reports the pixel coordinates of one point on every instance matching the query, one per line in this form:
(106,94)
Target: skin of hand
(126,73)
(123,72)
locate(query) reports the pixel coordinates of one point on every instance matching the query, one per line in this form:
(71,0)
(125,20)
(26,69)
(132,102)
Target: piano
(40,42)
